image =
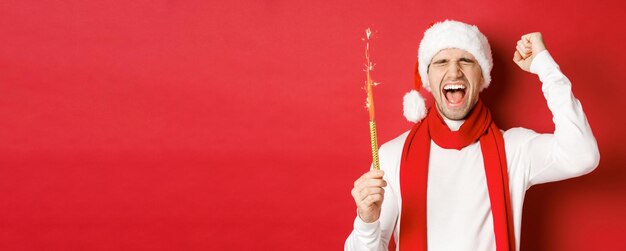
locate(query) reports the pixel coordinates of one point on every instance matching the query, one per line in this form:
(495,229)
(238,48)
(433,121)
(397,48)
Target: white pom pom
(414,106)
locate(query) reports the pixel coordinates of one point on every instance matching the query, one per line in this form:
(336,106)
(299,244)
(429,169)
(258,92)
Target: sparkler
(369,84)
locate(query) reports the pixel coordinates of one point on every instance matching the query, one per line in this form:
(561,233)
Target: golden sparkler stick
(374,141)
(369,84)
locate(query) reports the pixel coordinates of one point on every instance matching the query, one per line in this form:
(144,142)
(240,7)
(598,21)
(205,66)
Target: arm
(572,150)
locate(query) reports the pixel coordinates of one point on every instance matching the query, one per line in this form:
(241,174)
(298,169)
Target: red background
(240,125)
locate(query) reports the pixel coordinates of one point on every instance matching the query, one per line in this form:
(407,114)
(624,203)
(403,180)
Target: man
(455,181)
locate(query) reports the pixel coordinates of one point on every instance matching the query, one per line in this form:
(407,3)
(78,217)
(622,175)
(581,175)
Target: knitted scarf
(414,174)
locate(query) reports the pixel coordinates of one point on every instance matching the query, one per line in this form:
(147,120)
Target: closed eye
(466,60)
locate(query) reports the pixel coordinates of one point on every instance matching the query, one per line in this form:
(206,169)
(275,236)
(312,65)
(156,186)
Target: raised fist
(527,48)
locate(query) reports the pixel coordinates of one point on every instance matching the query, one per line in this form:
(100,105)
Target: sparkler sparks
(369,67)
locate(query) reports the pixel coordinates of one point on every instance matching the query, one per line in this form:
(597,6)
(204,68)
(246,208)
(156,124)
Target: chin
(455,114)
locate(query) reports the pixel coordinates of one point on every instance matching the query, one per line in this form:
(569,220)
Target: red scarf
(414,174)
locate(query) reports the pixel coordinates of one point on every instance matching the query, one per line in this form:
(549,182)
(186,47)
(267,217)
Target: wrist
(542,62)
(367,218)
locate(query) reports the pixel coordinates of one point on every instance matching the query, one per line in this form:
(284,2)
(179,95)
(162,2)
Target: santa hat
(443,35)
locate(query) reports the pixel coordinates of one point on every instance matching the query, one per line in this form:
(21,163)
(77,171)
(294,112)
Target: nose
(454,70)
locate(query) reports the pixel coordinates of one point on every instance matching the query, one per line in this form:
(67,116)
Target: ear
(482,82)
(414,106)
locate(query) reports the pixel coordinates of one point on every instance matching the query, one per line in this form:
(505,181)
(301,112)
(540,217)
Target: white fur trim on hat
(454,34)
(414,106)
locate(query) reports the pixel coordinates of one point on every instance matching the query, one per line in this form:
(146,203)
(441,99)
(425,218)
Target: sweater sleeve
(572,149)
(365,236)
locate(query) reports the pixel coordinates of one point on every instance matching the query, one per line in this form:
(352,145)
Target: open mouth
(454,93)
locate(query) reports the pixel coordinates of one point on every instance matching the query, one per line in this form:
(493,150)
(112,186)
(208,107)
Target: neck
(454,125)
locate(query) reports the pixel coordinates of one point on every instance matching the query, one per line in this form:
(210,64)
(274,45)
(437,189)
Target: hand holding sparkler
(368,191)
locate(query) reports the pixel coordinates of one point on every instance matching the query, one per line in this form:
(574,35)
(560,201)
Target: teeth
(453,87)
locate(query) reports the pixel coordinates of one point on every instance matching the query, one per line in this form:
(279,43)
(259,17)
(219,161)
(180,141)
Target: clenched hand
(368,194)
(527,48)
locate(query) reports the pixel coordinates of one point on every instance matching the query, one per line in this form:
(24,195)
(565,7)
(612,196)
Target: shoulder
(395,145)
(515,138)
(390,156)
(390,153)
(517,133)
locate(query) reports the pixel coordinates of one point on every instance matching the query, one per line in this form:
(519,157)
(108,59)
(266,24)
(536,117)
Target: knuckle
(366,190)
(363,193)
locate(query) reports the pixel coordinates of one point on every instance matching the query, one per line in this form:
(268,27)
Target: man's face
(455,78)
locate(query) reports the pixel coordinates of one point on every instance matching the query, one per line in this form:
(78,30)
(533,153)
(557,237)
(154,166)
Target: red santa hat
(444,35)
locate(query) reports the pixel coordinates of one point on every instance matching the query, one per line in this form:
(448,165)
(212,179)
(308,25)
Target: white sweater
(458,207)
